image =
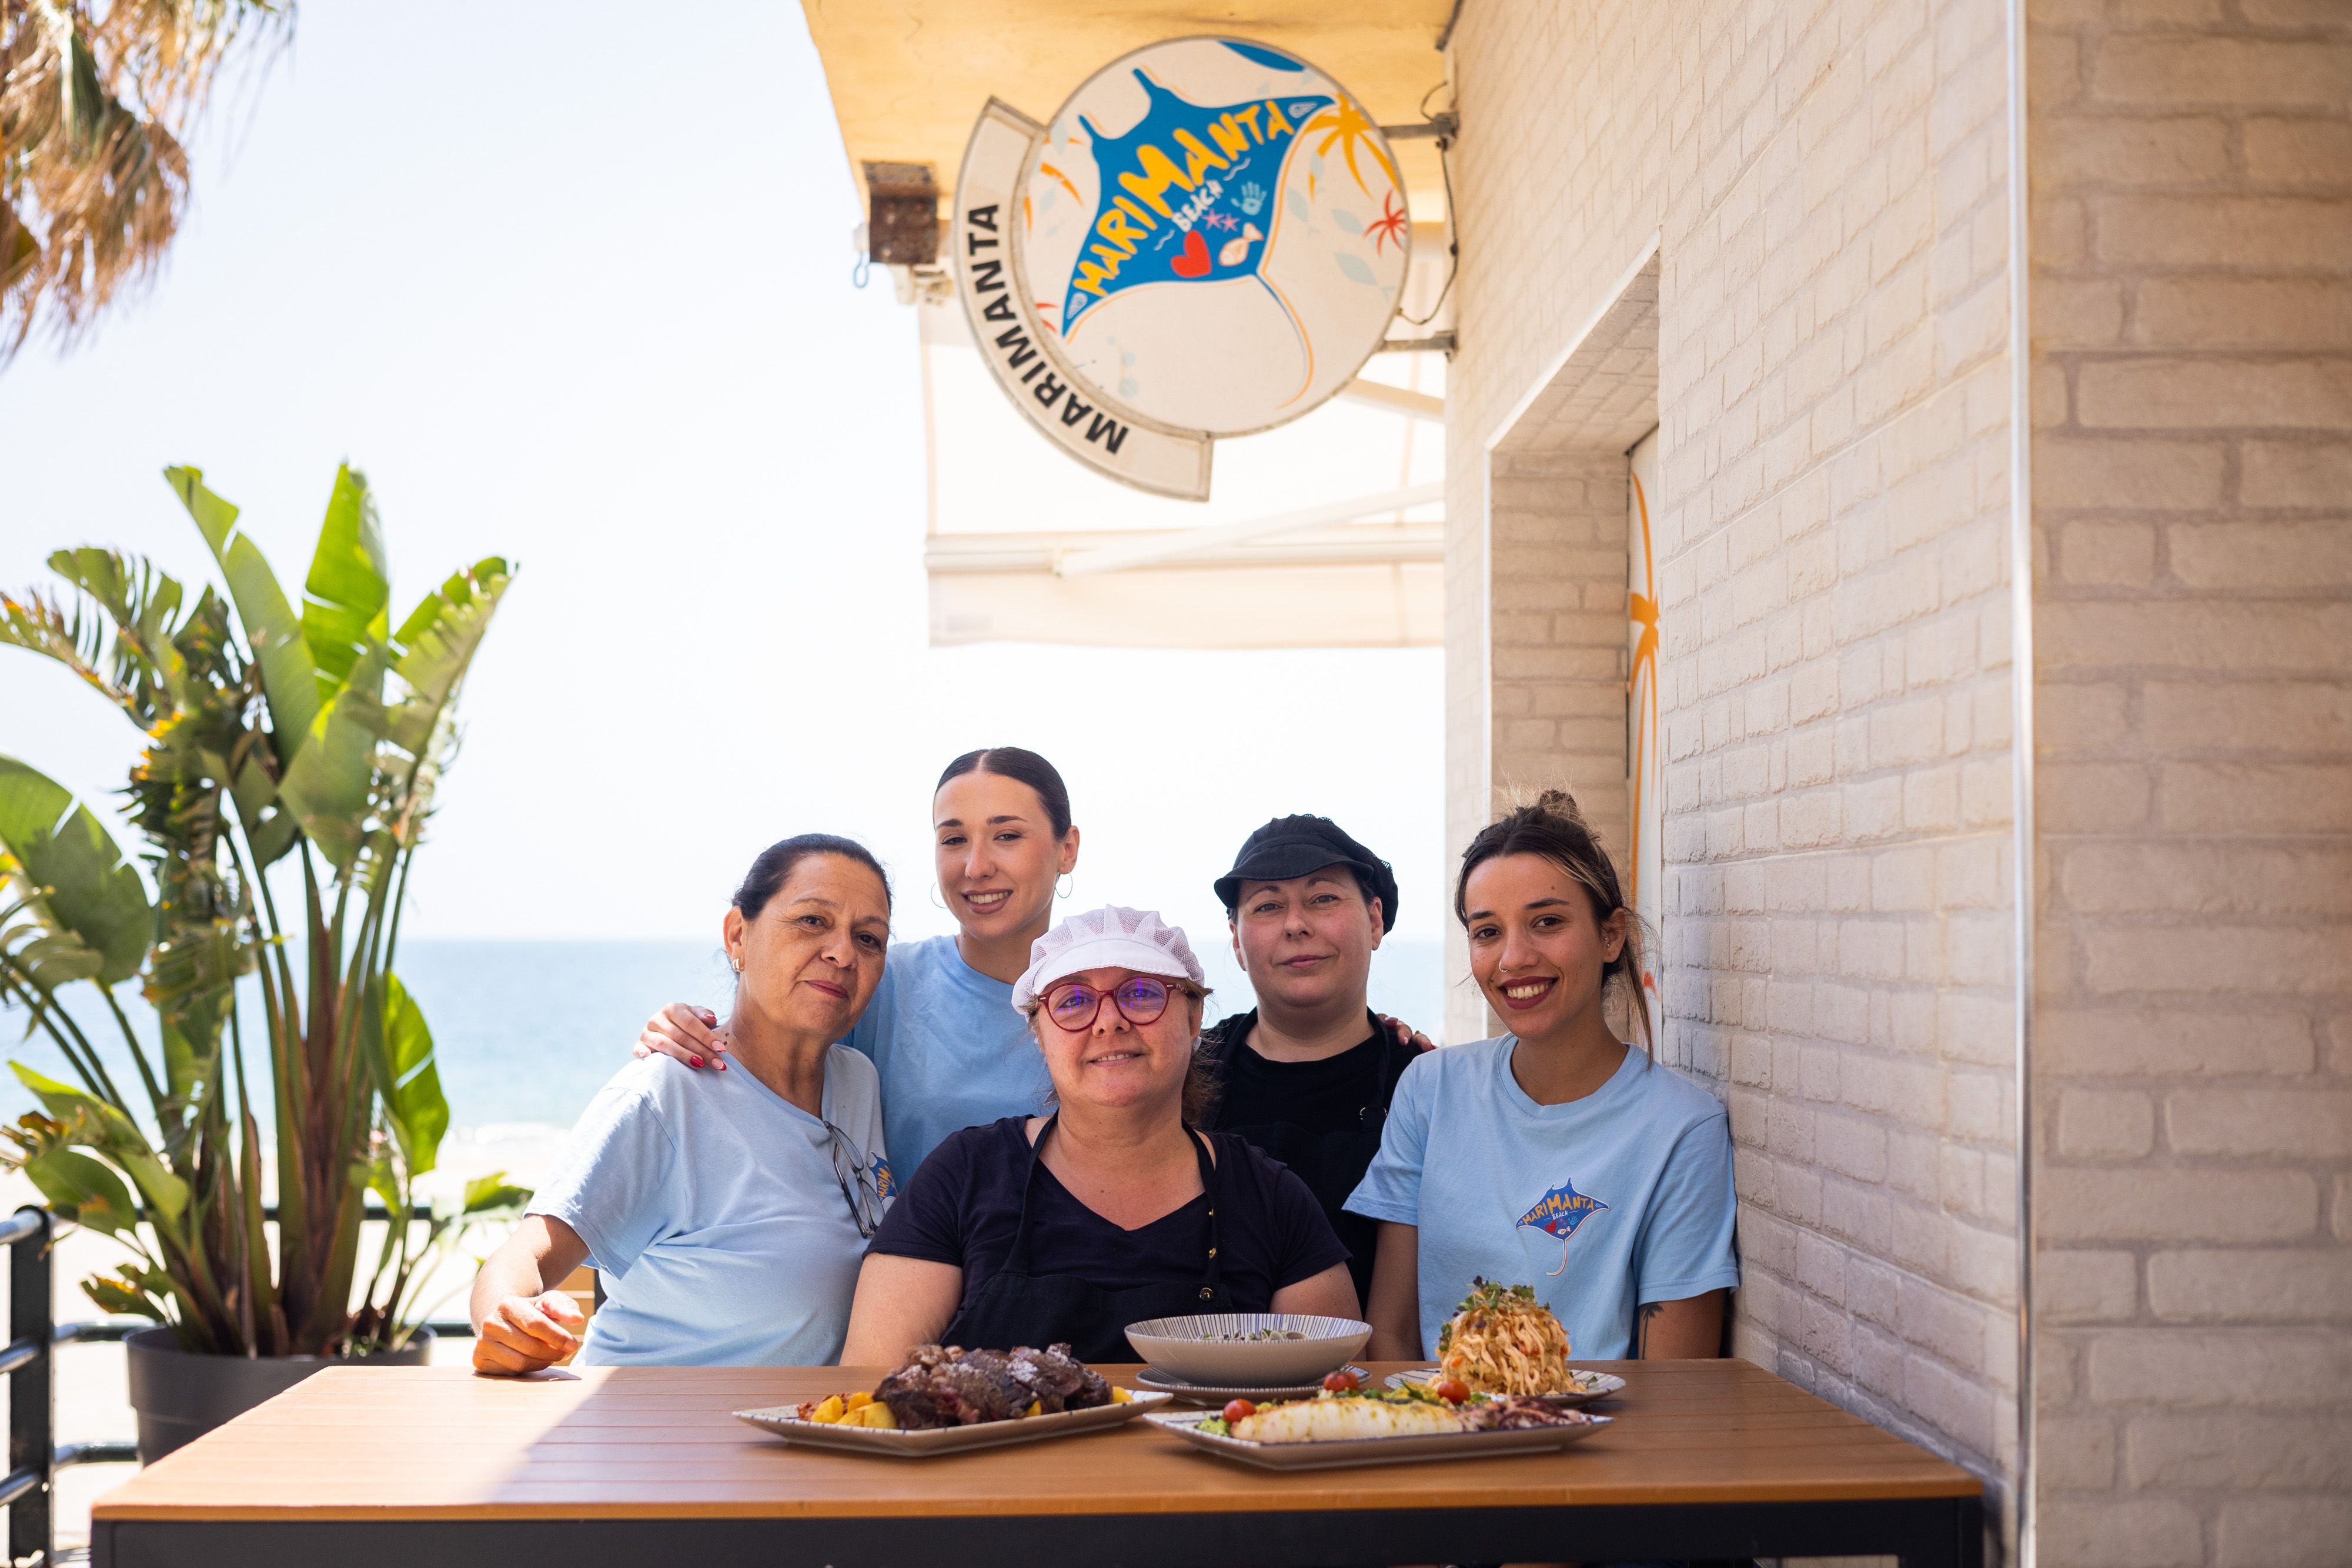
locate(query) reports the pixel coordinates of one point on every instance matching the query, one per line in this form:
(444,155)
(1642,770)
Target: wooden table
(403,1466)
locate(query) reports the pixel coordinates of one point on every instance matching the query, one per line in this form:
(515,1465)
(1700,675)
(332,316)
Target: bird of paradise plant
(308,736)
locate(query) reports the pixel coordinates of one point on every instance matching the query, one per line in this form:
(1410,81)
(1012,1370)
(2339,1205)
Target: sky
(575,289)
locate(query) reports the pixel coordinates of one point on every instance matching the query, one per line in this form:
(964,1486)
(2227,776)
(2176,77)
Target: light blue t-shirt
(951,1051)
(1602,1204)
(710,1206)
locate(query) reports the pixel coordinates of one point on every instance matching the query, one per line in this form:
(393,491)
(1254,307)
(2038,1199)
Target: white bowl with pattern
(1260,1350)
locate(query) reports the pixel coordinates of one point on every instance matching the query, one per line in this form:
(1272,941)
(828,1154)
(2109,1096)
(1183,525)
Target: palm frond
(95,99)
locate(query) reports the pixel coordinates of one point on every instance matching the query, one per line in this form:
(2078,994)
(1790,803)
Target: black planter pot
(180,1397)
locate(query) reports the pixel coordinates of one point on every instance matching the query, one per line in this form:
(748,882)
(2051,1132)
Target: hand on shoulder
(1406,1034)
(685,1033)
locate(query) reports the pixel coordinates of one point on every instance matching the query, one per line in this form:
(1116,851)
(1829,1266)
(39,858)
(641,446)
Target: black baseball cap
(1294,846)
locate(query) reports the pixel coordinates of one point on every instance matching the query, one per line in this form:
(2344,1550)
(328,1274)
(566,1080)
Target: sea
(525,1032)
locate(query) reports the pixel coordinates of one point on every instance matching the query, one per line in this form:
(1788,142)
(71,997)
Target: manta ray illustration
(1203,229)
(1184,168)
(1559,1213)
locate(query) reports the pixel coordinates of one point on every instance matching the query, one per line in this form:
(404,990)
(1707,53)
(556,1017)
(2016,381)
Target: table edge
(1966,1486)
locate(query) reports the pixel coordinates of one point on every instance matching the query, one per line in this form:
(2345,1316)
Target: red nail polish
(698,1062)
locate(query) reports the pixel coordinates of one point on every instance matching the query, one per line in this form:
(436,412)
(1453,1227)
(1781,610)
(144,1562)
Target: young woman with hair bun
(1556,1154)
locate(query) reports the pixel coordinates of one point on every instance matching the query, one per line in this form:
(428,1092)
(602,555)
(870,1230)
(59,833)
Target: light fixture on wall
(902,229)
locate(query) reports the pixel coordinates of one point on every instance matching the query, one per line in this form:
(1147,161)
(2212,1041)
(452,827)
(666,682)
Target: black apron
(1331,1163)
(1014,1307)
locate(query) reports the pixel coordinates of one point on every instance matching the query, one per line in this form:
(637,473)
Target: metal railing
(35,1455)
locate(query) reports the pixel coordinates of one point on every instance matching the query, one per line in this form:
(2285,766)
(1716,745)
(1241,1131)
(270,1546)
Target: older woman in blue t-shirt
(727,1212)
(1556,1156)
(941,1031)
(1069,1226)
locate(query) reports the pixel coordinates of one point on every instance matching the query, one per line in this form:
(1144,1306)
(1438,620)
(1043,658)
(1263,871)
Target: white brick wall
(1557,533)
(2192,320)
(1824,183)
(1825,180)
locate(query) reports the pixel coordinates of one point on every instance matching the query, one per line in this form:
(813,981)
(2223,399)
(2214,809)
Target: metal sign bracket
(1442,126)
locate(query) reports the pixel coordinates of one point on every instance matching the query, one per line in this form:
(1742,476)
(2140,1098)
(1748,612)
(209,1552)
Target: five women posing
(1051,1107)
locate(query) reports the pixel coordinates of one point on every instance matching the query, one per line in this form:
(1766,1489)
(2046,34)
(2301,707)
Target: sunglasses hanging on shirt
(860,1188)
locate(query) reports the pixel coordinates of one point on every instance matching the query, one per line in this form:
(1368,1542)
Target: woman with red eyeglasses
(1066,1227)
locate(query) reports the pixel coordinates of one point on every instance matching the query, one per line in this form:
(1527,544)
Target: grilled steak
(1057,1380)
(947,1385)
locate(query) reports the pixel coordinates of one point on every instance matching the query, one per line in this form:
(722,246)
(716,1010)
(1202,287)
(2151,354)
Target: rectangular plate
(1603,1384)
(784,1423)
(1375,1450)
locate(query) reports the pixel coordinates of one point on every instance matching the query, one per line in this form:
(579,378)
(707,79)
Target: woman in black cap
(1307,1074)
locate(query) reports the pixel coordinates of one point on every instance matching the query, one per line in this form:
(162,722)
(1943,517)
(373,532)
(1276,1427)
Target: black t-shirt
(1322,1118)
(963,1208)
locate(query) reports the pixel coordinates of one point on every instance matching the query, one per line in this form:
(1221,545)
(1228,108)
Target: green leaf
(419,1111)
(289,674)
(206,640)
(165,1194)
(86,1117)
(145,604)
(329,784)
(493,1194)
(92,894)
(349,585)
(439,640)
(48,960)
(80,1187)
(92,1122)
(274,838)
(384,1182)
(124,1295)
(253,788)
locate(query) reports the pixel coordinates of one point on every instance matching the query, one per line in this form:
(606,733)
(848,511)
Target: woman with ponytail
(1556,1154)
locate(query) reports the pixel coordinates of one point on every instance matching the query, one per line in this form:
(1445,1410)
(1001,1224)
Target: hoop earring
(937,902)
(1062,885)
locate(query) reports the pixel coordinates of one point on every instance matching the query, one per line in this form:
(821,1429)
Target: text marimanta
(1022,360)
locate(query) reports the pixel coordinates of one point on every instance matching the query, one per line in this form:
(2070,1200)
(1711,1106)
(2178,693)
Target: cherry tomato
(1450,1389)
(1341,1382)
(1239,1410)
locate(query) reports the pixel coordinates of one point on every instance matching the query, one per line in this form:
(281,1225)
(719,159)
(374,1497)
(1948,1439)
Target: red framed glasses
(1140,999)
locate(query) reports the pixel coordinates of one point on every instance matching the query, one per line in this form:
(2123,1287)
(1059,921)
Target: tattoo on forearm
(1642,1328)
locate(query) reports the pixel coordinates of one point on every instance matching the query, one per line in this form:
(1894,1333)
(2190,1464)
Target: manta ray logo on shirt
(1558,1213)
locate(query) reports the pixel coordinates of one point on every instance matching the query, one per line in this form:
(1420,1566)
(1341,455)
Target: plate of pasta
(1502,1341)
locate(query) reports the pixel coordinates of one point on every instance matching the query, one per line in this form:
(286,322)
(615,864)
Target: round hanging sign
(1208,239)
